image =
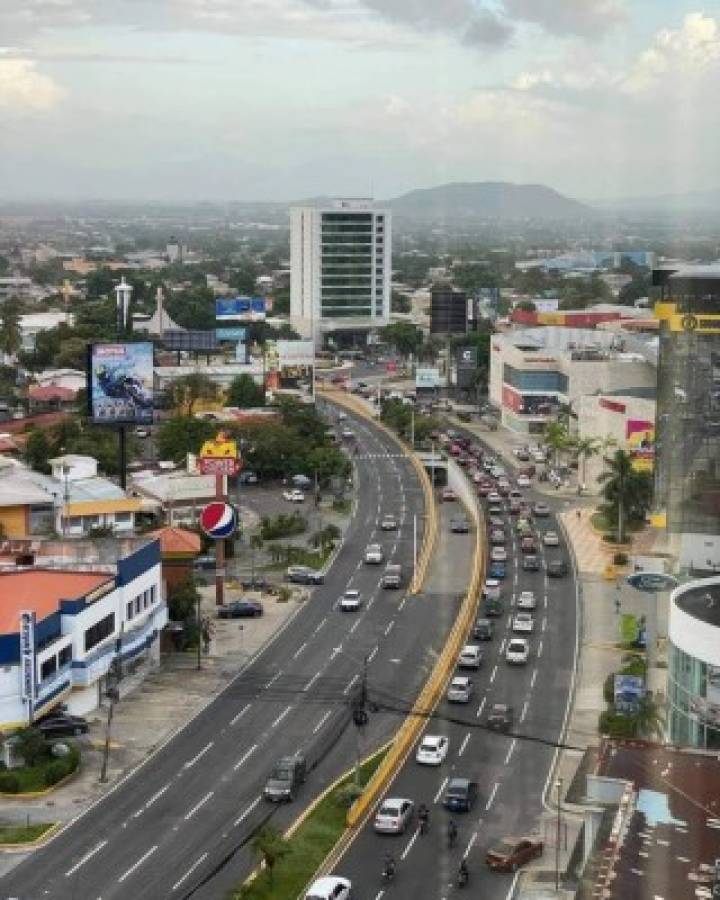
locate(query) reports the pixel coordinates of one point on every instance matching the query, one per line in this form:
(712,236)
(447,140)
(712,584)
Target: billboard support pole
(122,447)
(219,550)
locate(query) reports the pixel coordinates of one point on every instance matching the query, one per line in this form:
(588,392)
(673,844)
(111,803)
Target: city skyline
(216,100)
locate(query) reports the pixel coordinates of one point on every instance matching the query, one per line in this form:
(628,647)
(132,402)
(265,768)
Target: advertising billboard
(230,334)
(427,378)
(629,690)
(240,309)
(296,354)
(120,383)
(640,437)
(466,366)
(27,654)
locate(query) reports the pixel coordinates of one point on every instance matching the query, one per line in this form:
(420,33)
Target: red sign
(612,405)
(391,367)
(214,465)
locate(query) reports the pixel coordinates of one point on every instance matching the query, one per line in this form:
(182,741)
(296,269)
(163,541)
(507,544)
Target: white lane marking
(137,865)
(299,650)
(509,621)
(246,755)
(156,796)
(320,625)
(274,679)
(89,855)
(389,628)
(524,711)
(402,604)
(312,681)
(408,848)
(511,893)
(247,812)
(493,674)
(355,625)
(240,714)
(189,872)
(370,602)
(322,721)
(510,751)
(515,580)
(543,624)
(470,844)
(540,649)
(440,790)
(492,796)
(191,762)
(197,806)
(281,716)
(502,646)
(545,601)
(464,744)
(379,895)
(373,653)
(348,686)
(532,680)
(481,707)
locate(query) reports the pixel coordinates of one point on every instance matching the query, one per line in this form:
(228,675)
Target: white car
(393,815)
(460,689)
(388,523)
(497,472)
(498,554)
(518,651)
(350,601)
(374,554)
(539,456)
(477,477)
(470,657)
(494,497)
(491,589)
(294,496)
(523,623)
(526,600)
(330,888)
(523,481)
(432,750)
(551,539)
(347,434)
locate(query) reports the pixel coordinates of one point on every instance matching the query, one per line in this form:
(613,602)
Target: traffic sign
(213,465)
(652,582)
(218,520)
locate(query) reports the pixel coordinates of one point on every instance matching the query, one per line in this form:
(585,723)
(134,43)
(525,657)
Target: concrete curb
(35,795)
(31,845)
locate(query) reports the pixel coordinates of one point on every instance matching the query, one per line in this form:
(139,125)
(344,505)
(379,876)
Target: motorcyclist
(388,865)
(463,874)
(423,817)
(452,831)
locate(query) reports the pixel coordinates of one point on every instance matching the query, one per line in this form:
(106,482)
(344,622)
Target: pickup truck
(392,576)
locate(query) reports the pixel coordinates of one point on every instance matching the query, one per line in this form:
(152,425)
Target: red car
(484,488)
(528,545)
(511,853)
(448,495)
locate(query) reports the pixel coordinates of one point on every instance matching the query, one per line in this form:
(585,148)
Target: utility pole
(360,717)
(112,692)
(558,785)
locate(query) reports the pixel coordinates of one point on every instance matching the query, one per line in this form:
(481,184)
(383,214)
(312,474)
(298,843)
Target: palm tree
(627,492)
(270,845)
(649,719)
(586,448)
(557,438)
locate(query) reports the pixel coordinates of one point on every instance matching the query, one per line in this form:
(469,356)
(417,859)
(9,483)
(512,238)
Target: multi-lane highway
(511,770)
(179,826)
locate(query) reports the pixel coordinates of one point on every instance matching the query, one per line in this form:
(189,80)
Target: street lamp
(558,785)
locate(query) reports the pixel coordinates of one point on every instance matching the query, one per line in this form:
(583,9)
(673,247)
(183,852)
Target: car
(494,497)
(304,575)
(492,606)
(523,623)
(496,522)
(347,434)
(240,609)
(459,526)
(526,600)
(541,510)
(497,472)
(61,724)
(503,487)
(523,481)
(255,583)
(491,589)
(495,508)
(301,481)
(374,554)
(557,568)
(484,488)
(518,651)
(528,544)
(483,630)
(329,888)
(511,853)
(514,506)
(523,526)
(460,795)
(248,477)
(498,554)
(497,537)
(432,750)
(539,456)
(448,495)
(204,562)
(294,496)
(522,455)
(142,432)
(351,601)
(393,815)
(470,657)
(388,523)
(497,569)
(531,563)
(500,717)
(551,539)
(287,776)
(460,689)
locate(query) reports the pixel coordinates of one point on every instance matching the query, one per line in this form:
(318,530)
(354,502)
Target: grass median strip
(23,834)
(309,844)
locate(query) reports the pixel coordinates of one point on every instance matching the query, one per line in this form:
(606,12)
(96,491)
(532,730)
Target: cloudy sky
(280,99)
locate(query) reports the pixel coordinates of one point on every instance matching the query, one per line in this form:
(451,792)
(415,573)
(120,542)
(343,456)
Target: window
(48,668)
(129,610)
(98,632)
(65,656)
(138,601)
(146,599)
(152,594)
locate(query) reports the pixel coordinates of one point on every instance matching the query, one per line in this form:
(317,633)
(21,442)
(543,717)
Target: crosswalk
(380,456)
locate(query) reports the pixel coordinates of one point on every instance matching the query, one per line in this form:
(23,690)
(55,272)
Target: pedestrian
(578,513)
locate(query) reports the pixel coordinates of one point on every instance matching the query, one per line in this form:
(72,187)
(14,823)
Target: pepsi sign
(218,520)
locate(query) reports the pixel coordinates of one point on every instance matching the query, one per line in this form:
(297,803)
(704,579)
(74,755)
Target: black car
(500,717)
(62,725)
(258,583)
(460,795)
(459,526)
(483,630)
(557,568)
(304,575)
(240,609)
(531,563)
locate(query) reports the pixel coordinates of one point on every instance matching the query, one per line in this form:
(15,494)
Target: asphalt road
(179,826)
(511,770)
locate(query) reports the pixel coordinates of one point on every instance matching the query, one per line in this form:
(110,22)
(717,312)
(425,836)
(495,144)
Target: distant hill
(692,202)
(488,200)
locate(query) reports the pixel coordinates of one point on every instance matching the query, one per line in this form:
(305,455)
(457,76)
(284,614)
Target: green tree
(244,392)
(404,337)
(244,277)
(72,354)
(270,845)
(10,340)
(326,462)
(181,435)
(649,719)
(31,745)
(182,601)
(526,306)
(38,451)
(400,303)
(193,308)
(186,392)
(557,438)
(627,492)
(586,448)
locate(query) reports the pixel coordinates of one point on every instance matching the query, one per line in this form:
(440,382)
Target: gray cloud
(587,18)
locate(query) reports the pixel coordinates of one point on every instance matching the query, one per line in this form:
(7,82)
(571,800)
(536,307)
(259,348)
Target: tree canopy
(244,392)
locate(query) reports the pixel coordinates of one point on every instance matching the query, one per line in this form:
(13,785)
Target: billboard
(27,654)
(230,334)
(240,309)
(628,692)
(466,366)
(296,354)
(120,383)
(640,437)
(427,378)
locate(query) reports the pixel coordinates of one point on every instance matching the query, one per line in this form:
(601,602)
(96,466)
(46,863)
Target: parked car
(448,495)
(511,853)
(523,623)
(500,717)
(526,600)
(374,554)
(304,575)
(557,568)
(240,609)
(351,601)
(460,689)
(393,815)
(204,562)
(531,563)
(301,481)
(518,651)
(294,496)
(255,583)
(432,750)
(491,589)
(470,657)
(248,477)
(460,795)
(61,724)
(492,607)
(551,539)
(494,498)
(388,523)
(330,888)
(459,526)
(483,630)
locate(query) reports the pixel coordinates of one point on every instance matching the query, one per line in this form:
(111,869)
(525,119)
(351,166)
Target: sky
(212,100)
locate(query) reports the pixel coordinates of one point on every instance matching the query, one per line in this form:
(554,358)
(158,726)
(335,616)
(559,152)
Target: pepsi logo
(218,520)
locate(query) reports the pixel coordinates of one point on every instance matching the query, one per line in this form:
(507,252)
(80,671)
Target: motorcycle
(388,872)
(463,875)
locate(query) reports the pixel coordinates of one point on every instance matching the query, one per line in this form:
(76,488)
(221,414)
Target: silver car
(394,816)
(460,689)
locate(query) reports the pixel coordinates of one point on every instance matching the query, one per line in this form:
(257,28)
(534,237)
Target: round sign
(652,582)
(218,520)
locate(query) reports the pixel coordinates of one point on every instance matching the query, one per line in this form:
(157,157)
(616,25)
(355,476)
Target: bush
(9,783)
(282,526)
(620,559)
(348,794)
(616,726)
(609,688)
(56,771)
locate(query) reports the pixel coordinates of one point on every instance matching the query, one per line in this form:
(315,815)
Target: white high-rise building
(340,268)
